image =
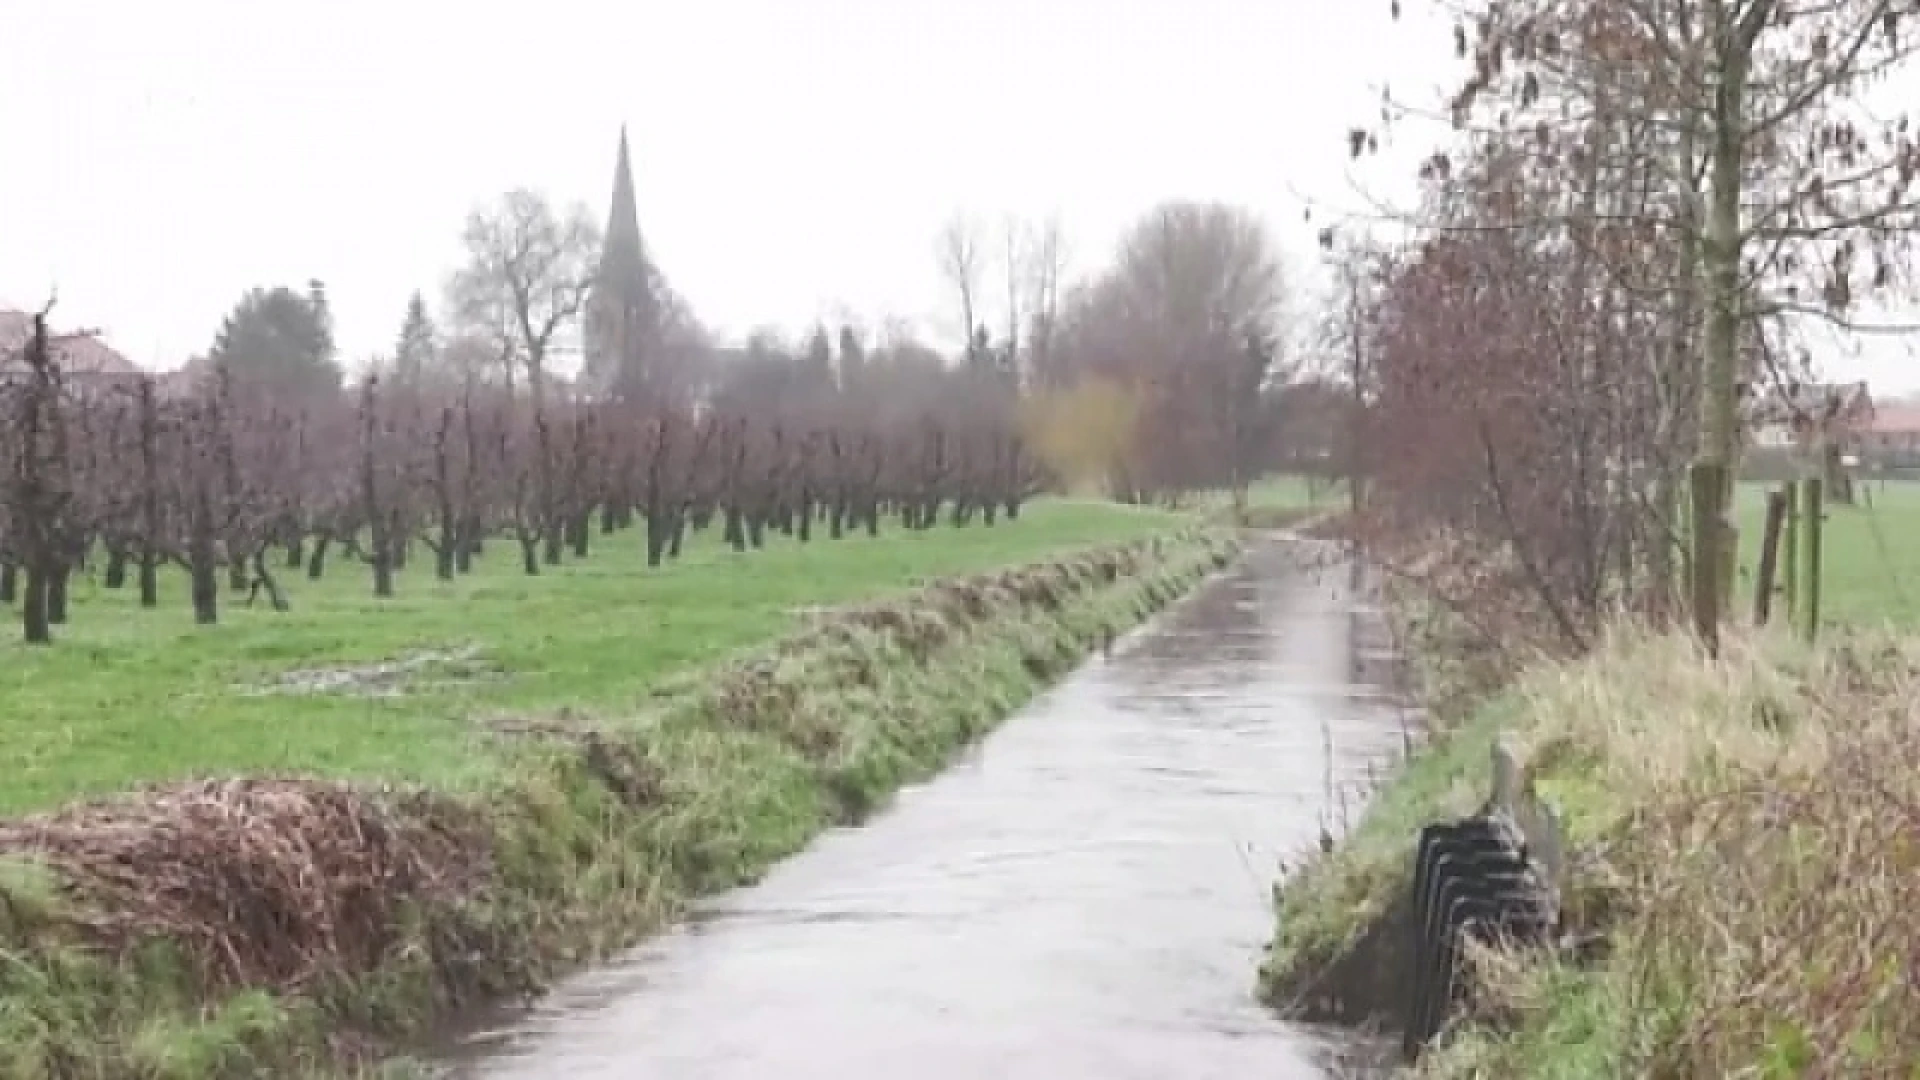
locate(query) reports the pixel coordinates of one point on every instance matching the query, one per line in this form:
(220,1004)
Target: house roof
(1900,418)
(79,354)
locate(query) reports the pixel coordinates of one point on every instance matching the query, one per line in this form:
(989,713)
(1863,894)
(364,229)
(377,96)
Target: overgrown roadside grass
(1743,832)
(301,927)
(127,696)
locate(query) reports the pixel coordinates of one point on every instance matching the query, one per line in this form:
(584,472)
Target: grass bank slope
(347,685)
(303,927)
(1744,833)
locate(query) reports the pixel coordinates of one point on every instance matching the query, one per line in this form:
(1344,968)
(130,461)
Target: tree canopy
(280,340)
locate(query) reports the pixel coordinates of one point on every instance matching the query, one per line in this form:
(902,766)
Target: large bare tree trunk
(1715,541)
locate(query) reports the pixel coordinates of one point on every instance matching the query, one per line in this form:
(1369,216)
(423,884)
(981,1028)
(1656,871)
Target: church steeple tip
(623,217)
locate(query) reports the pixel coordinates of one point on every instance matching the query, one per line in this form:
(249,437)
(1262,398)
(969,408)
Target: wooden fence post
(1707,479)
(1538,821)
(1769,554)
(1790,550)
(1813,508)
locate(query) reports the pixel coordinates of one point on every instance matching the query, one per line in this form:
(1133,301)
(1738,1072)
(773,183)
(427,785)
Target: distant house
(1810,427)
(1799,415)
(83,358)
(1892,439)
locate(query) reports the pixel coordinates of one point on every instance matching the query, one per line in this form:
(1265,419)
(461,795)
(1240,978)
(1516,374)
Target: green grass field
(1283,492)
(1871,569)
(127,696)
(1276,501)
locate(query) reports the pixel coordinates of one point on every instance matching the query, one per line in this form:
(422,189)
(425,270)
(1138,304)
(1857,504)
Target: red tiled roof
(1896,418)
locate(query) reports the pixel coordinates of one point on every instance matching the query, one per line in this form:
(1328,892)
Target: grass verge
(298,927)
(1743,831)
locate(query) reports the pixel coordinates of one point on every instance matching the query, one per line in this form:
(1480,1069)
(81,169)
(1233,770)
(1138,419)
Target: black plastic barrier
(1472,878)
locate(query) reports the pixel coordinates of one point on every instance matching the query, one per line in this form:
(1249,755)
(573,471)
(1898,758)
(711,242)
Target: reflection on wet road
(1084,896)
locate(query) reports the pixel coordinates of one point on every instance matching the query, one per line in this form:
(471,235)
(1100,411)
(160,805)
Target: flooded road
(1085,895)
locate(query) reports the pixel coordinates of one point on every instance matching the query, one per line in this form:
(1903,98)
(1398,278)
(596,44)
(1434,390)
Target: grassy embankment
(1742,831)
(574,757)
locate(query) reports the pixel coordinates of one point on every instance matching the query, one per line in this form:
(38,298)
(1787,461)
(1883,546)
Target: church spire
(623,218)
(621,316)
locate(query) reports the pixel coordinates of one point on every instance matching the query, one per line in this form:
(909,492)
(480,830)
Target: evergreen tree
(414,354)
(281,341)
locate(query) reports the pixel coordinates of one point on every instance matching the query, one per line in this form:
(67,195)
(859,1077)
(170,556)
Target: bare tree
(1205,274)
(39,494)
(1775,191)
(1046,267)
(474,358)
(527,276)
(485,347)
(1360,272)
(1190,306)
(961,263)
(1016,240)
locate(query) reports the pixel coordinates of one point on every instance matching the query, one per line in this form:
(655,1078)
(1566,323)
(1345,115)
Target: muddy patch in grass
(423,671)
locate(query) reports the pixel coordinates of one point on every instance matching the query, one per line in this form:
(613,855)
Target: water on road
(1085,895)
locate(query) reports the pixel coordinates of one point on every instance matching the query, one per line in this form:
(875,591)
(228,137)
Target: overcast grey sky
(794,159)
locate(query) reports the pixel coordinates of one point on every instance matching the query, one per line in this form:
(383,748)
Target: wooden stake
(1705,483)
(1790,549)
(1769,553)
(1812,510)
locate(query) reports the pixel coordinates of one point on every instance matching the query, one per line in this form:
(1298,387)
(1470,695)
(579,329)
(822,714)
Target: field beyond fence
(1870,565)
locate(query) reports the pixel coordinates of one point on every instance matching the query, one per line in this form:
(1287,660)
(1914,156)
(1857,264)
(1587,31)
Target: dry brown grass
(768,693)
(259,882)
(1743,830)
(1749,832)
